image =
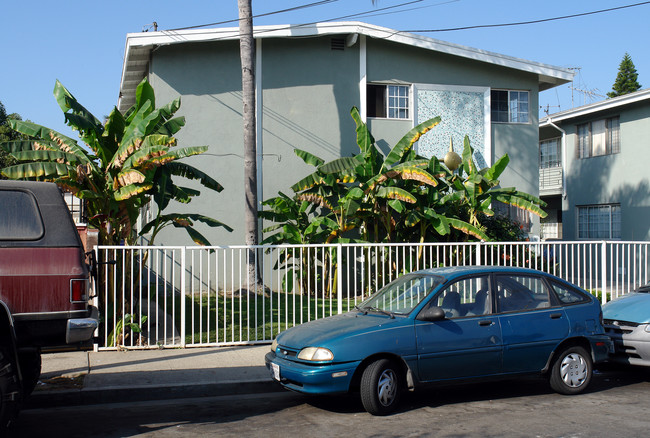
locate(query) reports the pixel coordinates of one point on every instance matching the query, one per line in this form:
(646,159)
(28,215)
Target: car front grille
(619,327)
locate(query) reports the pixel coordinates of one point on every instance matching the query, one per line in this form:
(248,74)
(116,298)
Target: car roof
(451,272)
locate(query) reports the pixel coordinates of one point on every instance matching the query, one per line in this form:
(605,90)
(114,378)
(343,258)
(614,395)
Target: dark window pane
(20,218)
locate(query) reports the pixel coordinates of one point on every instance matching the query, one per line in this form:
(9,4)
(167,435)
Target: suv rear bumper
(82,329)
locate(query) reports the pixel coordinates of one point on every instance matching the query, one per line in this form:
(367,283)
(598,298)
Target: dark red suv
(44,293)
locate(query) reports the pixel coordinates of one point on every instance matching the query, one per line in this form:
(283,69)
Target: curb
(120,394)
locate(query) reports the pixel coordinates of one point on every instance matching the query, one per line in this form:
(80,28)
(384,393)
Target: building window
(509,106)
(77,208)
(388,101)
(599,221)
(550,153)
(600,137)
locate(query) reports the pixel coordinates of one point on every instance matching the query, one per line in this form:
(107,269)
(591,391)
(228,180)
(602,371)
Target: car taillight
(78,290)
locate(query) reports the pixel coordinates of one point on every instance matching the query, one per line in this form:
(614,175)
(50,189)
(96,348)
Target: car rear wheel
(381,387)
(572,371)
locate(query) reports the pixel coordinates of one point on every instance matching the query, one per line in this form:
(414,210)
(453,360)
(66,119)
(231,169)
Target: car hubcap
(387,387)
(573,370)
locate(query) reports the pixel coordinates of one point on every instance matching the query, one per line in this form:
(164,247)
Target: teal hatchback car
(447,325)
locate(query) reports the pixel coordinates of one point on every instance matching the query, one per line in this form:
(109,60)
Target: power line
(368,13)
(482,26)
(295,8)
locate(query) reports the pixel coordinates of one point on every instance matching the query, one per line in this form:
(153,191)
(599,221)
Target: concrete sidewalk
(120,376)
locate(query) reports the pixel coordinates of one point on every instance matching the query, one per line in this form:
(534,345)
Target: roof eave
(592,108)
(139,46)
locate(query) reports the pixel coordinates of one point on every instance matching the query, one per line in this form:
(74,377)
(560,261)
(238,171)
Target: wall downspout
(259,135)
(563,144)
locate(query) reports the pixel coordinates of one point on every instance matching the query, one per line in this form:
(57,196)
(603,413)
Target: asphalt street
(615,405)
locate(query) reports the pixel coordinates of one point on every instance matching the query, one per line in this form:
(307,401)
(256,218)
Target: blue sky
(81,42)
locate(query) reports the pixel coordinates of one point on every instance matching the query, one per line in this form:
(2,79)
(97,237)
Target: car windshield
(402,295)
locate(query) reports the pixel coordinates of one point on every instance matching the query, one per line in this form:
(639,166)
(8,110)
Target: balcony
(551,230)
(550,181)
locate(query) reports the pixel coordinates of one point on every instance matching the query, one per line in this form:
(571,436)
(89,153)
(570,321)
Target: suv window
(28,225)
(521,293)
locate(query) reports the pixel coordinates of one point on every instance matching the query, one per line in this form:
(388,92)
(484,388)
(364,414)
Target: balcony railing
(550,181)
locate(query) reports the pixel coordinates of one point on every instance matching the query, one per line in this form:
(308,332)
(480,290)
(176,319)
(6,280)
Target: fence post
(339,278)
(95,294)
(603,272)
(478,253)
(183,250)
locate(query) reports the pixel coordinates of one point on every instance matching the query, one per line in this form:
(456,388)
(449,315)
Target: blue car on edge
(447,325)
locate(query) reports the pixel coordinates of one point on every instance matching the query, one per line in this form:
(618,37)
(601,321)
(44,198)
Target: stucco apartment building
(594,170)
(307,80)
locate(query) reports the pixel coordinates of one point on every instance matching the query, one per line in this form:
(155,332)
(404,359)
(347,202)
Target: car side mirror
(432,314)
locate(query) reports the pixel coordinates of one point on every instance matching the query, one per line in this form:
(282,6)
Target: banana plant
(476,190)
(121,166)
(364,191)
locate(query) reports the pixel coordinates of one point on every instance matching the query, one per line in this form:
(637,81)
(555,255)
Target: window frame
(585,138)
(558,153)
(466,301)
(387,98)
(513,116)
(513,277)
(613,219)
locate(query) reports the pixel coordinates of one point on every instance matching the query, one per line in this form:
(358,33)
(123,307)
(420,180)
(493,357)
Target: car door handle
(555,315)
(485,323)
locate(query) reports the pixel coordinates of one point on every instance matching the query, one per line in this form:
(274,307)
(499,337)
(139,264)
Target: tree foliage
(7,134)
(626,79)
(122,165)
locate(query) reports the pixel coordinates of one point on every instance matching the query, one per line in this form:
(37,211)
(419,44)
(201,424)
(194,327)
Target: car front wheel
(572,371)
(381,387)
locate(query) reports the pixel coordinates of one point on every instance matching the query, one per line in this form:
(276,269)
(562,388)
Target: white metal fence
(153,297)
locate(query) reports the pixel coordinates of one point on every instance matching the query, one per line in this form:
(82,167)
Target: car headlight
(647,328)
(274,345)
(317,354)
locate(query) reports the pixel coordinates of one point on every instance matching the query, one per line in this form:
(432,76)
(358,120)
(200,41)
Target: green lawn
(254,318)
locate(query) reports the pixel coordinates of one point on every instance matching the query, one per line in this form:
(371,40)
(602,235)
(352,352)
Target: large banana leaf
(521,202)
(144,154)
(315,199)
(396,193)
(65,144)
(46,155)
(133,134)
(342,166)
(171,126)
(190,172)
(467,228)
(40,170)
(143,93)
(28,145)
(406,143)
(468,157)
(131,190)
(308,158)
(365,140)
(167,111)
(67,102)
(130,176)
(309,181)
(495,171)
(406,171)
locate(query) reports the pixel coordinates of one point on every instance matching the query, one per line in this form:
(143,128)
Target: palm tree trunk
(247,54)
